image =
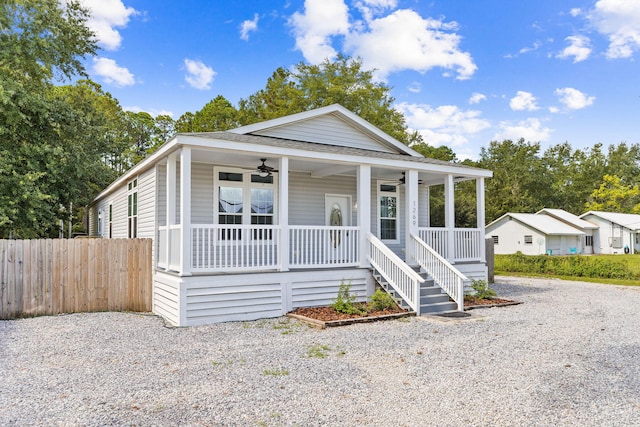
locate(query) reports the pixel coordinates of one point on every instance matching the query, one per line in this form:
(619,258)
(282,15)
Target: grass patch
(276,372)
(318,351)
(601,280)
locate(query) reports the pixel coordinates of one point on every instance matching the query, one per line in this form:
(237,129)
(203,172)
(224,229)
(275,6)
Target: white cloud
(248,26)
(523,101)
(154,112)
(199,75)
(369,8)
(106,16)
(112,73)
(314,29)
(578,48)
(530,129)
(619,20)
(401,40)
(404,40)
(576,11)
(415,87)
(446,124)
(476,98)
(573,99)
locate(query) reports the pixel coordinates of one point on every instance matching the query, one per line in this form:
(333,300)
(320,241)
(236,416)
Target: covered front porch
(204,226)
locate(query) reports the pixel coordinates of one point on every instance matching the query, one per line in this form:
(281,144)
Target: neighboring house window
(110,221)
(236,192)
(99,222)
(132,208)
(496,240)
(588,240)
(528,240)
(388,211)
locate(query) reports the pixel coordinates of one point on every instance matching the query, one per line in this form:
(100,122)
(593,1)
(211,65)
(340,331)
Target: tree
(40,173)
(217,114)
(614,196)
(342,81)
(518,178)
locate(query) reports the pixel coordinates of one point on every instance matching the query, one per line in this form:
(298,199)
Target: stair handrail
(400,276)
(445,275)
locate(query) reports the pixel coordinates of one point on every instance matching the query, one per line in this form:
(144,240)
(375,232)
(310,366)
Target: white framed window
(243,197)
(132,208)
(100,222)
(528,240)
(588,240)
(496,239)
(110,220)
(388,212)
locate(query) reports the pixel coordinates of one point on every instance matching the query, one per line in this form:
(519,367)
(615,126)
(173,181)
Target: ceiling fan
(402,179)
(264,170)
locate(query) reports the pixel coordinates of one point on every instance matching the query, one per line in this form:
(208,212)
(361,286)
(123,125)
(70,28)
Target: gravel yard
(570,355)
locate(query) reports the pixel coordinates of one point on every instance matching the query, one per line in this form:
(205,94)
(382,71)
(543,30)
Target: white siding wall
(161,198)
(511,238)
(327,130)
(242,297)
(166,296)
(202,208)
(147,209)
(306,197)
(602,236)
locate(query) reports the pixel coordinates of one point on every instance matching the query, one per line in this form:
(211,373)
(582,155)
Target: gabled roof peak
(336,110)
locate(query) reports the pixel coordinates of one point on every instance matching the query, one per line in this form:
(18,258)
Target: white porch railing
(313,246)
(441,271)
(402,278)
(224,247)
(466,246)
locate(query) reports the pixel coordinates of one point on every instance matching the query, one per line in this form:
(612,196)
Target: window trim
(110,220)
(246,185)
(133,202)
(528,239)
(379,194)
(100,219)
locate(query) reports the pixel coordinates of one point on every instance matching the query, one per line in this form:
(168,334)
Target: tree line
(60,144)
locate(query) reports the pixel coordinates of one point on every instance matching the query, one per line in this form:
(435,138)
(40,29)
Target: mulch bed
(327,316)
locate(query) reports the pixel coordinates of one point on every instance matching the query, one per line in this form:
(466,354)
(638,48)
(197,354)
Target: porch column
(364,212)
(449,217)
(283,212)
(185,211)
(411,214)
(480,215)
(170,200)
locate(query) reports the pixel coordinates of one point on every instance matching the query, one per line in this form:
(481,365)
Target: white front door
(337,209)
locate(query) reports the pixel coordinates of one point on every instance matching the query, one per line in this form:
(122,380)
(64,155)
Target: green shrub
(574,266)
(481,290)
(345,302)
(380,300)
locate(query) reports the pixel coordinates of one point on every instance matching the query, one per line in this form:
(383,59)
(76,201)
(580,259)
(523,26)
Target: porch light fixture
(264,170)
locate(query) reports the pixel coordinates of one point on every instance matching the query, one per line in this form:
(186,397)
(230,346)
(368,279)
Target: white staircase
(432,298)
(435,286)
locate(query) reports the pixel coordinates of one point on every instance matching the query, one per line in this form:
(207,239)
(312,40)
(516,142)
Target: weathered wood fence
(52,276)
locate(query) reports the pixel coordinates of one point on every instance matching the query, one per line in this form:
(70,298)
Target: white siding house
(589,229)
(534,234)
(259,220)
(616,232)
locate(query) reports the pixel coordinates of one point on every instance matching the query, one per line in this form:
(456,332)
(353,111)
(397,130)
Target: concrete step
(439,307)
(434,299)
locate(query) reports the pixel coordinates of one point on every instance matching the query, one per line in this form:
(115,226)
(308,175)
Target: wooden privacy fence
(52,276)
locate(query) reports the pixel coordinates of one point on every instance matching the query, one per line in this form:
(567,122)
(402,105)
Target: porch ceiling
(316,168)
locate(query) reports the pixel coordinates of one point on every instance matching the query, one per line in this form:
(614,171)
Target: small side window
(496,240)
(528,240)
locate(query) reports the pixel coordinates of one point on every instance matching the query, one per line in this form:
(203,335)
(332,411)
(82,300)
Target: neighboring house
(589,229)
(259,220)
(616,231)
(534,234)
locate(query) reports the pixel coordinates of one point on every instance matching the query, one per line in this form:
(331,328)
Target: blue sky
(463,72)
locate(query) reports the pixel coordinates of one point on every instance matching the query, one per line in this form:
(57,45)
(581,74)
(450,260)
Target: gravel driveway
(570,355)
